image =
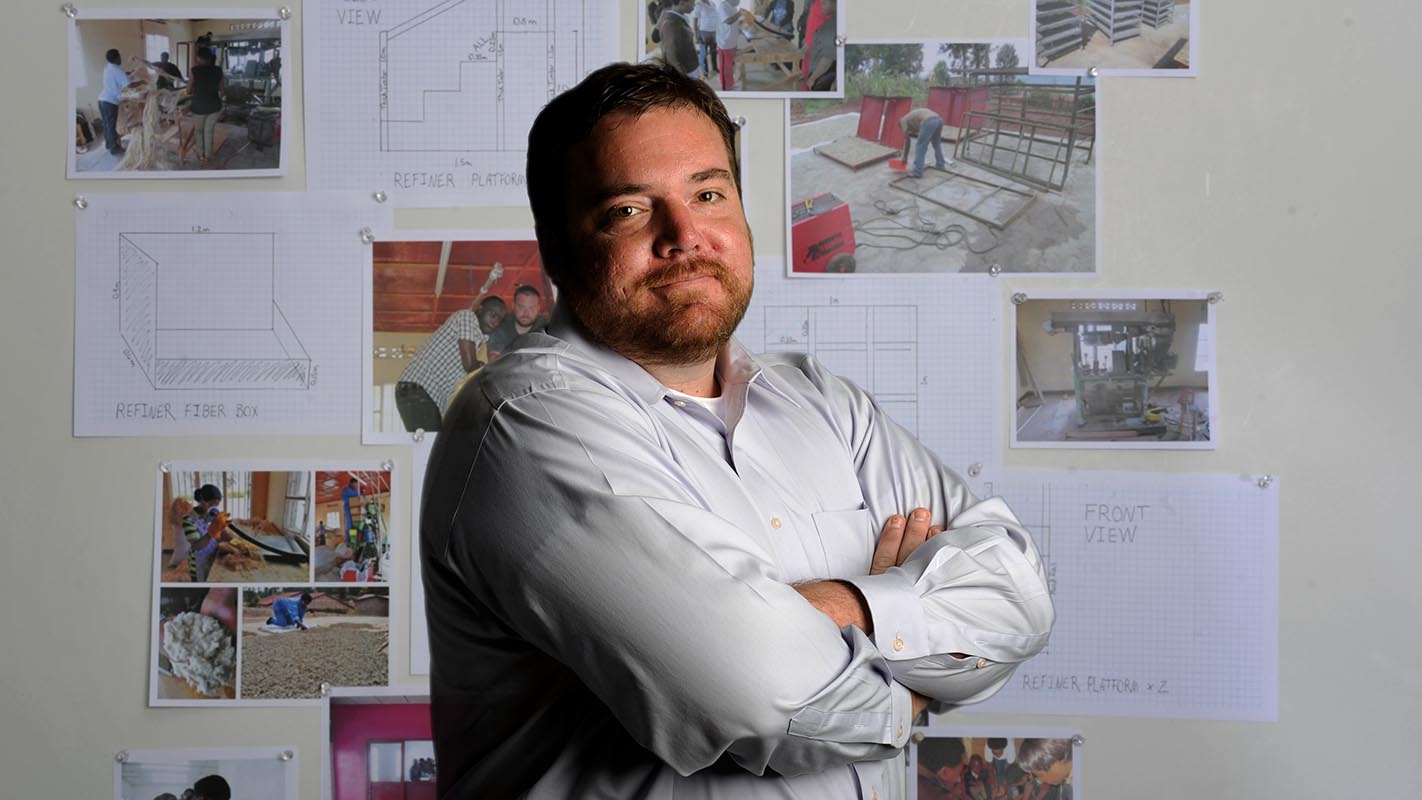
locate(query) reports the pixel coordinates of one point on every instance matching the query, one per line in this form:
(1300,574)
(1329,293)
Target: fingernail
(920,515)
(896,521)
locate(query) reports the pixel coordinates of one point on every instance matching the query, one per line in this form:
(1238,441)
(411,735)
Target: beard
(684,328)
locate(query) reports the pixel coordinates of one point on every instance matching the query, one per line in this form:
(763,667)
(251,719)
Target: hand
(219,524)
(900,537)
(221,605)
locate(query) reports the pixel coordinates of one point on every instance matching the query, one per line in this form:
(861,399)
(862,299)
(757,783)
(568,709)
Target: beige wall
(1050,356)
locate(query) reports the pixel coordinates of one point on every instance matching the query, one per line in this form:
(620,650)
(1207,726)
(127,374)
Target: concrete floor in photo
(235,154)
(1137,52)
(1056,233)
(1051,421)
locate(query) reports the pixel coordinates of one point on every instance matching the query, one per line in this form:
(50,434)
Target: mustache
(689,267)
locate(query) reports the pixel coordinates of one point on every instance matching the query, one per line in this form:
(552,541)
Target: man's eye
(623,212)
(709,196)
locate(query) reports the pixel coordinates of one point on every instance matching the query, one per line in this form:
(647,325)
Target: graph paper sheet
(431,101)
(1166,587)
(927,349)
(227,314)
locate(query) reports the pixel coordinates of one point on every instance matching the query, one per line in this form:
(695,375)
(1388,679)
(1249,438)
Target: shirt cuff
(900,626)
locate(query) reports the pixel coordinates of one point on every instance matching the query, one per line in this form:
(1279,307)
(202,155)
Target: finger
(934,531)
(887,550)
(915,532)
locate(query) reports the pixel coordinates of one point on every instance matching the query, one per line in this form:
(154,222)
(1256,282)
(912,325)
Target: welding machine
(822,235)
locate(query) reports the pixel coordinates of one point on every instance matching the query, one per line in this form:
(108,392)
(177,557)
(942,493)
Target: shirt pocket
(847,538)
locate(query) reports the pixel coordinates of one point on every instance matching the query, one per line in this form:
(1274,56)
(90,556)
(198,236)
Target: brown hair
(570,117)
(1038,755)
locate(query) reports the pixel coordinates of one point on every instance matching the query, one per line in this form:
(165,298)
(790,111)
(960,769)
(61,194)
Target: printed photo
(353,526)
(381,745)
(177,97)
(767,48)
(943,157)
(953,767)
(239,773)
(235,526)
(196,655)
(296,638)
(1114,371)
(1118,37)
(441,309)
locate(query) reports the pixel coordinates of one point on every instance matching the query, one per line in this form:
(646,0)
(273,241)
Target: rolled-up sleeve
(968,605)
(597,550)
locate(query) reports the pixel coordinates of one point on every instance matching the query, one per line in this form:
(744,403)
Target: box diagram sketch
(199,311)
(470,75)
(875,347)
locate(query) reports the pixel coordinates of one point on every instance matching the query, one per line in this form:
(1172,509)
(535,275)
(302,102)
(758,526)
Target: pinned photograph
(442,306)
(178,97)
(749,48)
(235,526)
(964,765)
(353,526)
(380,744)
(226,773)
(1114,370)
(943,157)
(296,638)
(196,646)
(1117,37)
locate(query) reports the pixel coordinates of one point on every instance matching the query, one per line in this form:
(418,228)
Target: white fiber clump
(201,651)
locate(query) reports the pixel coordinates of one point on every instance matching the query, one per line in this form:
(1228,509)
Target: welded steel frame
(1058,30)
(988,129)
(968,212)
(1116,19)
(1157,13)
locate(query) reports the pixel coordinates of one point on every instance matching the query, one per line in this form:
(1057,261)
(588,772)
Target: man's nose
(678,230)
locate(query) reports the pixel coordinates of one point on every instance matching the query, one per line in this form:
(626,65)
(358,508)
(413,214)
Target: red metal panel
(871,117)
(940,101)
(894,110)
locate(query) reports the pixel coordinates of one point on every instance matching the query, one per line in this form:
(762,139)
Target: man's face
(1055,774)
(526,308)
(659,253)
(489,318)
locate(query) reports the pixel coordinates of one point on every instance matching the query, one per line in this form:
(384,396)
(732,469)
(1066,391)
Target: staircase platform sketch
(431,100)
(221,314)
(183,341)
(1157,580)
(926,348)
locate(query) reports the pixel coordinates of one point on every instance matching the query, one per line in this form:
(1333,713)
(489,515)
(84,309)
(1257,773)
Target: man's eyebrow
(715,173)
(607,193)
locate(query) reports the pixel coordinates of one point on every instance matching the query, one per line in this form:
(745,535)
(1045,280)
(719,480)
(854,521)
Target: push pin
(1214,297)
(995,270)
(285,755)
(387,465)
(81,202)
(366,235)
(839,41)
(1093,72)
(918,737)
(121,757)
(165,467)
(1077,739)
(379,197)
(1018,298)
(325,689)
(740,122)
(419,434)
(70,11)
(1265,481)
(975,469)
(284,12)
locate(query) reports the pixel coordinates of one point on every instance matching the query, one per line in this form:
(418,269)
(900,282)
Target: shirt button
(982,662)
(679,403)
(775,522)
(900,734)
(898,645)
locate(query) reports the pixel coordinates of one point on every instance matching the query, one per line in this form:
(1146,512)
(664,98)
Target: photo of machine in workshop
(353,526)
(1114,372)
(235,527)
(177,97)
(943,157)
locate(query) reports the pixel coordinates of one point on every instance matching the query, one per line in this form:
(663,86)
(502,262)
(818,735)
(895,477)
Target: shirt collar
(734,364)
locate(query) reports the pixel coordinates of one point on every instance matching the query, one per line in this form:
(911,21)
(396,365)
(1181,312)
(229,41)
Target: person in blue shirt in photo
(289,611)
(115,79)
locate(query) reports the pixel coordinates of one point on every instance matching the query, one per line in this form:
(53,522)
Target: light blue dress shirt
(115,79)
(608,576)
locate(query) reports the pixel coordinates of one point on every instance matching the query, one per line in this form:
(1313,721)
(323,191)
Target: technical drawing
(199,311)
(873,346)
(470,75)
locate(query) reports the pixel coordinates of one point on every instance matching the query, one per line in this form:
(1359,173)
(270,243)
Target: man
(928,127)
(707,22)
(289,611)
(430,379)
(203,528)
(997,745)
(527,316)
(1049,761)
(169,70)
(650,558)
(729,38)
(114,81)
(678,37)
(211,787)
(823,52)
